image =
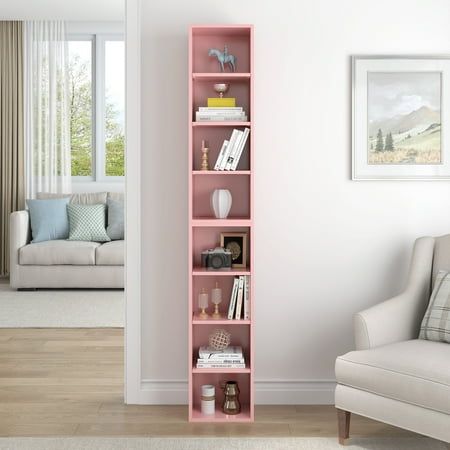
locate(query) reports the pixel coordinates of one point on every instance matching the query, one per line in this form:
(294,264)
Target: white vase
(221,201)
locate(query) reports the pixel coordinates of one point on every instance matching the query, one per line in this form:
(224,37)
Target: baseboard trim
(267,392)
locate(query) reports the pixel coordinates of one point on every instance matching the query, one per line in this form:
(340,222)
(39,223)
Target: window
(97,106)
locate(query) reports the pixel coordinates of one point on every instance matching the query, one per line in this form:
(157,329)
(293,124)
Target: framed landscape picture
(398,108)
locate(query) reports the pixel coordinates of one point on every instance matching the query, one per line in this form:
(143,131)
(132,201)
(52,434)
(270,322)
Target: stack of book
(228,358)
(220,114)
(231,150)
(239,307)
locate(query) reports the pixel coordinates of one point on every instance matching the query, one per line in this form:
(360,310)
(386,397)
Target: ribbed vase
(221,201)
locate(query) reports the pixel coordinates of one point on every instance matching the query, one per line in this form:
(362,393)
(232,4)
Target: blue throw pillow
(49,219)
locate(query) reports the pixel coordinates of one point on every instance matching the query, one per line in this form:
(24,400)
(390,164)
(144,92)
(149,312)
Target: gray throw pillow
(115,228)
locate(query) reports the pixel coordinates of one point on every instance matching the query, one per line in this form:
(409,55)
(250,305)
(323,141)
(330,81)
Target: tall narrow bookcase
(204,228)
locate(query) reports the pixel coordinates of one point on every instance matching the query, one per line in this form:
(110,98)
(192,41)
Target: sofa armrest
(19,235)
(399,318)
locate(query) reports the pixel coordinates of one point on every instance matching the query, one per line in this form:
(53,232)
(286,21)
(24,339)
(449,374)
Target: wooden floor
(65,382)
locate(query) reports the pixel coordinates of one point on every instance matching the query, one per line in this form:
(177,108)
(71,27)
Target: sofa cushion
(116,196)
(49,219)
(416,372)
(89,198)
(87,223)
(58,252)
(110,254)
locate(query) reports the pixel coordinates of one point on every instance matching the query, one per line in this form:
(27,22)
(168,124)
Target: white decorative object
(221,201)
(208,399)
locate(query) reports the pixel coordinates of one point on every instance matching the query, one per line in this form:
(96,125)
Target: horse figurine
(223,58)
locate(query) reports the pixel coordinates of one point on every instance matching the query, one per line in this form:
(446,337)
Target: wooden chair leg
(343,425)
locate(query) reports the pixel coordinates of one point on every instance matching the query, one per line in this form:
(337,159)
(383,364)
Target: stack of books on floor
(239,306)
(228,358)
(220,114)
(231,150)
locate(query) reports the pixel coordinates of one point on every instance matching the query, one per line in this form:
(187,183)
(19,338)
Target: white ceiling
(73,10)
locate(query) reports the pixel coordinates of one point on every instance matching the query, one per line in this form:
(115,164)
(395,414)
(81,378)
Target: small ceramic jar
(208,399)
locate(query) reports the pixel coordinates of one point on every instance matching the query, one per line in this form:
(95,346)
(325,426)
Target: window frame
(98,157)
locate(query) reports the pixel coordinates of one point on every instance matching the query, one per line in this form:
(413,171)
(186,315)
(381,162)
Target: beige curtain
(11,132)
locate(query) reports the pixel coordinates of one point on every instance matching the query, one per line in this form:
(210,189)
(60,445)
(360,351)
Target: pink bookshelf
(204,228)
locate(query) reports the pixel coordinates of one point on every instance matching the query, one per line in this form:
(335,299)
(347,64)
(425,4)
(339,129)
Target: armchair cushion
(414,371)
(436,322)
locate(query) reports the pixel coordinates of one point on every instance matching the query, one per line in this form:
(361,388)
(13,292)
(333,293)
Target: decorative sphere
(219,339)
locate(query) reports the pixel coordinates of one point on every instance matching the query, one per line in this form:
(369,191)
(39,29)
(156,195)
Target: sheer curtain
(47,131)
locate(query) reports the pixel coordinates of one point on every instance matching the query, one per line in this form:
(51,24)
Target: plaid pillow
(436,322)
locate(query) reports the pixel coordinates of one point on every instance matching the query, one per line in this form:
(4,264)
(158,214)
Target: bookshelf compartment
(239,187)
(209,237)
(244,383)
(240,335)
(240,89)
(215,135)
(236,39)
(209,282)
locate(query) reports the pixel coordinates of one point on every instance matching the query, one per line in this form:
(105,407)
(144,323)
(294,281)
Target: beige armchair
(392,376)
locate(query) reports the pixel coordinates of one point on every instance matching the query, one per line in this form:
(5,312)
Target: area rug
(189,443)
(61,308)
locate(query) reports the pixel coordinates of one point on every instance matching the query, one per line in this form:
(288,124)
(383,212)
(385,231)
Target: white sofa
(62,263)
(392,376)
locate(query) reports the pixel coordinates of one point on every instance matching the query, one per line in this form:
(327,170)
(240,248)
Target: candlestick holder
(203,303)
(216,299)
(205,158)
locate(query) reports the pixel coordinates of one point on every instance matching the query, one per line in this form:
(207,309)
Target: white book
(242,143)
(240,296)
(226,353)
(220,108)
(221,153)
(221,118)
(220,361)
(229,148)
(247,298)
(233,151)
(233,297)
(220,366)
(220,113)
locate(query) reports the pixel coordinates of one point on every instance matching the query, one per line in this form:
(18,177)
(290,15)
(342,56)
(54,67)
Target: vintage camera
(216,258)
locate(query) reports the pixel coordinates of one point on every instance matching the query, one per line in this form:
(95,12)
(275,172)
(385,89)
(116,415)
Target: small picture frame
(236,242)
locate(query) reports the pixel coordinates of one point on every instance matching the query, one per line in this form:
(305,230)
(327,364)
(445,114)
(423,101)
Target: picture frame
(398,107)
(236,242)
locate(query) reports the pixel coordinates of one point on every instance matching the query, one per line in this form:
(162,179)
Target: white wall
(325,246)
(62,10)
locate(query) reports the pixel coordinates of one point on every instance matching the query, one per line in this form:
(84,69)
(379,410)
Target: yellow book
(216,102)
